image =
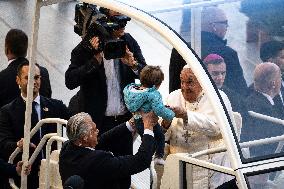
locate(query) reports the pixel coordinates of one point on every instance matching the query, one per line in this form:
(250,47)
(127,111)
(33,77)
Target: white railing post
(31,55)
(48,149)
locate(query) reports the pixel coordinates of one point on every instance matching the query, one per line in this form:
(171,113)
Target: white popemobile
(249,172)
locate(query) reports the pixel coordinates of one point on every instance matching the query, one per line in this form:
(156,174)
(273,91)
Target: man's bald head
(267,78)
(214,20)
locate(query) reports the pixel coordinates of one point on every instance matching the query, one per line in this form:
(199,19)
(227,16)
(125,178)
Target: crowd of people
(110,108)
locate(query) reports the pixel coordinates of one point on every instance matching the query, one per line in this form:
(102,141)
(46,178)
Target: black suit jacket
(84,71)
(12,119)
(237,101)
(99,168)
(277,100)
(211,43)
(10,90)
(234,80)
(258,129)
(7,169)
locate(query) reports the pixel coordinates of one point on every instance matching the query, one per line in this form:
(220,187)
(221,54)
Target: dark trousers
(159,137)
(109,122)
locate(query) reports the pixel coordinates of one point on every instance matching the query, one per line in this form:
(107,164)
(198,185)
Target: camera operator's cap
(109,12)
(104,10)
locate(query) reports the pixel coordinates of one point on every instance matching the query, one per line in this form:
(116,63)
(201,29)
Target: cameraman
(102,81)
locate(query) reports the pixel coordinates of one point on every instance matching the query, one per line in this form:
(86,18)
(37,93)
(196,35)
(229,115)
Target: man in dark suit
(267,82)
(16,45)
(102,81)
(273,51)
(12,117)
(214,25)
(91,157)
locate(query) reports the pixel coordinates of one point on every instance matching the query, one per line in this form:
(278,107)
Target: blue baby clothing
(148,99)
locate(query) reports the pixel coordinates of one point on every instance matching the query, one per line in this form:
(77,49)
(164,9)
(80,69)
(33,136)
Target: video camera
(91,22)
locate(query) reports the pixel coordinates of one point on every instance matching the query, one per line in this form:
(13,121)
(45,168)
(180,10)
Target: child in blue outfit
(146,97)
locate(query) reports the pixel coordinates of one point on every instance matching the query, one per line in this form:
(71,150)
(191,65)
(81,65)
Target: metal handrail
(173,166)
(251,143)
(266,117)
(48,149)
(32,158)
(35,129)
(242,145)
(273,120)
(40,145)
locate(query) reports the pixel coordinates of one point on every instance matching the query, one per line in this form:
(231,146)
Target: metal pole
(31,57)
(195,36)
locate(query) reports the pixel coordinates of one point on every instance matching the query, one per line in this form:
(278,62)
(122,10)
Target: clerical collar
(37,99)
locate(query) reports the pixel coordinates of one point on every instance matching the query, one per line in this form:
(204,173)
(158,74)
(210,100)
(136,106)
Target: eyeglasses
(222,22)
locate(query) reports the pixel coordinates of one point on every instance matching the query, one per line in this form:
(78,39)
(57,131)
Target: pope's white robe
(199,132)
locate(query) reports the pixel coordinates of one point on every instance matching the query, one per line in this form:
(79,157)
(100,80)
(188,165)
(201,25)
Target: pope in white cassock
(196,127)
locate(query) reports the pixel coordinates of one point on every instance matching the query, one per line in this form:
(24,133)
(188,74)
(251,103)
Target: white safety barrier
(39,147)
(53,178)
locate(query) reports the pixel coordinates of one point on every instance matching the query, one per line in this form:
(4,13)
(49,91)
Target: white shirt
(269,98)
(37,106)
(115,104)
(9,61)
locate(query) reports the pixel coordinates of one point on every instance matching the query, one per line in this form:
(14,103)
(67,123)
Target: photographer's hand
(129,60)
(95,41)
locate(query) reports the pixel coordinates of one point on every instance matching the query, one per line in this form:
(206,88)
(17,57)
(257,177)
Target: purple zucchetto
(213,59)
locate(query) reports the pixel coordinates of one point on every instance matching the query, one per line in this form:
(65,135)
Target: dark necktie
(34,121)
(38,135)
(34,114)
(279,107)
